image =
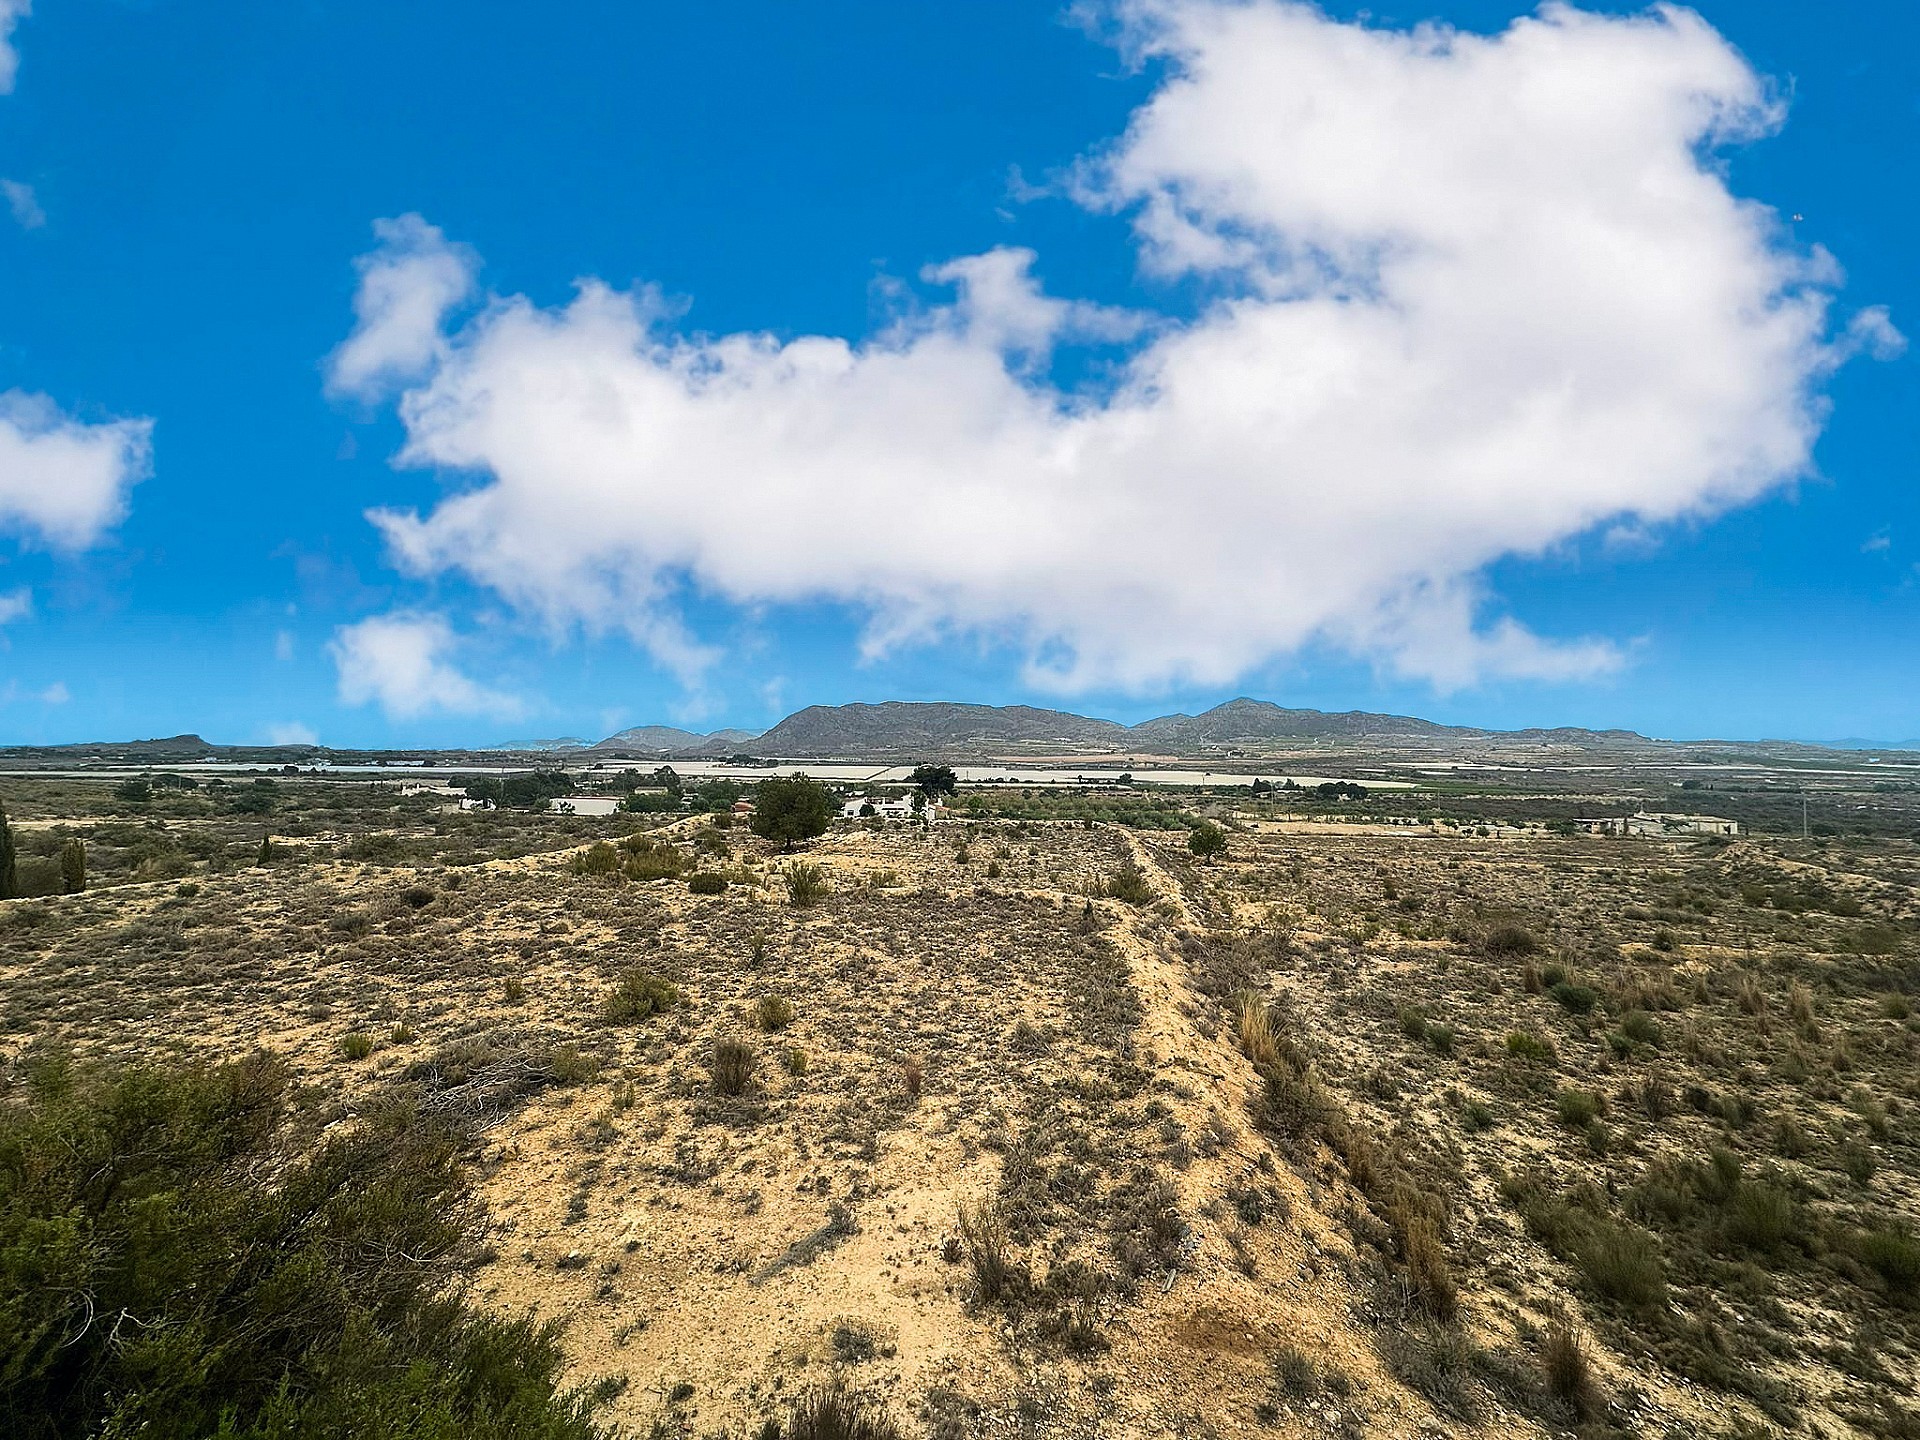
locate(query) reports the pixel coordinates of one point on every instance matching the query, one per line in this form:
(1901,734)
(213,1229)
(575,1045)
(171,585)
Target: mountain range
(901,727)
(898,729)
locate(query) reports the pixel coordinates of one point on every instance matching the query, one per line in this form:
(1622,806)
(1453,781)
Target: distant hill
(652,737)
(1245,719)
(914,729)
(667,739)
(174,748)
(565,742)
(899,726)
(919,728)
(1257,720)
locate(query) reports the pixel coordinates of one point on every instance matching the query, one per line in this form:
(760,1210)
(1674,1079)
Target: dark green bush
(1894,1253)
(1533,1049)
(635,996)
(707,882)
(1578,1108)
(1578,999)
(1622,1262)
(175,1265)
(1641,1028)
(1761,1217)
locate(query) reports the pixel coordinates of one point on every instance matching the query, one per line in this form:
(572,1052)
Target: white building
(898,807)
(583,805)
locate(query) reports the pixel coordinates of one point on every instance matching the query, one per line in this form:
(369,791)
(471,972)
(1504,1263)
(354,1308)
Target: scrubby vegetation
(1339,1129)
(181,1256)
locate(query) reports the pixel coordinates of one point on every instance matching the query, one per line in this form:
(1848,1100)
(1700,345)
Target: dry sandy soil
(968,1023)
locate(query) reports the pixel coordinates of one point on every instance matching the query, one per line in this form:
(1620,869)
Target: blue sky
(194,185)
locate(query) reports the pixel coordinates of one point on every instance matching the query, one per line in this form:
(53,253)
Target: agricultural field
(1044,1126)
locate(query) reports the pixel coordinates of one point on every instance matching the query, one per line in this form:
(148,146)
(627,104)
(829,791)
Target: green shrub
(707,882)
(1567,1369)
(1533,1049)
(1622,1262)
(650,859)
(1438,1361)
(806,884)
(1641,1028)
(730,1065)
(1511,940)
(1857,1159)
(835,1414)
(180,1266)
(570,1065)
(637,995)
(597,859)
(997,1274)
(1893,1252)
(1208,841)
(1577,1108)
(772,1012)
(1761,1216)
(1577,999)
(357,1046)
(790,810)
(1128,885)
(1295,1373)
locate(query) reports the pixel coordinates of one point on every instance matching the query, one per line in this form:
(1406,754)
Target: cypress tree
(73,866)
(9,871)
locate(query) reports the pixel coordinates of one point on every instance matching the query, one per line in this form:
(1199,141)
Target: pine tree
(9,871)
(73,866)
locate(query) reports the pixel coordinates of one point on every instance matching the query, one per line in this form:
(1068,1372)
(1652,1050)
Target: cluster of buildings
(1658,823)
(858,807)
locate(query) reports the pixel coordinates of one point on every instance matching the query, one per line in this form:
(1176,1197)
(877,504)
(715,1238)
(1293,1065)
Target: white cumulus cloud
(291,732)
(407,286)
(64,478)
(11,13)
(24,204)
(1475,296)
(402,662)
